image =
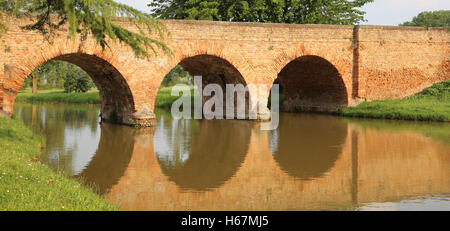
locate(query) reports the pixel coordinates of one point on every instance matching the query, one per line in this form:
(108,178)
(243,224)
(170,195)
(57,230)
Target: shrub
(77,83)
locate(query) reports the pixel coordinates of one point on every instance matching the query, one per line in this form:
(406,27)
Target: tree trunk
(34,82)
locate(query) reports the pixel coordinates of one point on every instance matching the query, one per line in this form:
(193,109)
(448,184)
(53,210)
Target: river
(311,162)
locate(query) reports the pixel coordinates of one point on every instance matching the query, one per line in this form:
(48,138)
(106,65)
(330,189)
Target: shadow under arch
(200,154)
(216,70)
(306,146)
(117,103)
(311,83)
(111,159)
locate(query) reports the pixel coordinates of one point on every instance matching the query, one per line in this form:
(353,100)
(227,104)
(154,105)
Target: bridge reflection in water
(311,162)
(200,155)
(349,164)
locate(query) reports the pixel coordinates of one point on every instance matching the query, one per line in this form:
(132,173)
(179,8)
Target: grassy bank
(58,96)
(432,104)
(27,184)
(164,99)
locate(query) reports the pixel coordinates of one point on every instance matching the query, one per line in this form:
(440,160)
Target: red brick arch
(214,69)
(116,98)
(117,103)
(312,83)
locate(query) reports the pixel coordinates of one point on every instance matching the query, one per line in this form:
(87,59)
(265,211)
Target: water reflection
(71,132)
(311,162)
(112,157)
(306,145)
(200,154)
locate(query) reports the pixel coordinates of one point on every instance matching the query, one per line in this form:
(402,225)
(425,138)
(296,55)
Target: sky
(379,12)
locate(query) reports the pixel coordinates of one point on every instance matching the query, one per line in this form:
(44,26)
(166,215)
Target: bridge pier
(7,98)
(143,118)
(135,121)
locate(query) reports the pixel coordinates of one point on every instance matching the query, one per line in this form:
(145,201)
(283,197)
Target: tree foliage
(96,18)
(440,18)
(77,82)
(342,12)
(61,74)
(177,76)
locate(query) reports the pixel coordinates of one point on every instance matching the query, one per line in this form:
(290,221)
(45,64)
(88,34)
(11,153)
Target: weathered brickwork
(397,62)
(329,66)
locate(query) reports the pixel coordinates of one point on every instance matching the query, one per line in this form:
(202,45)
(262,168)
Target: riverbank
(27,184)
(164,99)
(432,104)
(58,96)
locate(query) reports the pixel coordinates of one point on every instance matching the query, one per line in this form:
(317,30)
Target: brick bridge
(320,67)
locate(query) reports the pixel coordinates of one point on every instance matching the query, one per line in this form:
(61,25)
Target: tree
(440,18)
(59,74)
(76,82)
(342,12)
(55,72)
(34,78)
(88,17)
(176,76)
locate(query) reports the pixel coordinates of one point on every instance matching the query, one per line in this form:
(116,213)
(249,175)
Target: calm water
(311,162)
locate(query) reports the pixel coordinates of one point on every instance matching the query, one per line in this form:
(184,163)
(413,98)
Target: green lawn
(58,96)
(164,99)
(432,104)
(27,184)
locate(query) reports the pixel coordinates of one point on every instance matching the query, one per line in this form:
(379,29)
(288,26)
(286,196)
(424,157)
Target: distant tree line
(59,74)
(440,18)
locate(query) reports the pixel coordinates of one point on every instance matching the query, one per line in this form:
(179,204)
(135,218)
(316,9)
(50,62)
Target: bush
(439,89)
(77,83)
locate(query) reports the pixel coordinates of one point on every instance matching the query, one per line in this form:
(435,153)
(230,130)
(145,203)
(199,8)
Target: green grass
(432,104)
(58,96)
(164,99)
(25,182)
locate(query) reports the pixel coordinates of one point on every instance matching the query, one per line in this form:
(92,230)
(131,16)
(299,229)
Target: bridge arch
(117,102)
(311,83)
(215,69)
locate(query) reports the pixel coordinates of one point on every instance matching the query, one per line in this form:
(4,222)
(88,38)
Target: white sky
(379,12)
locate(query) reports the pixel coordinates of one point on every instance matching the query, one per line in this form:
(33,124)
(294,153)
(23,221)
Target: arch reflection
(200,154)
(111,159)
(307,146)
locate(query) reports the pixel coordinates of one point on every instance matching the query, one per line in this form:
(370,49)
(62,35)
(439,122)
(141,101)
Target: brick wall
(396,62)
